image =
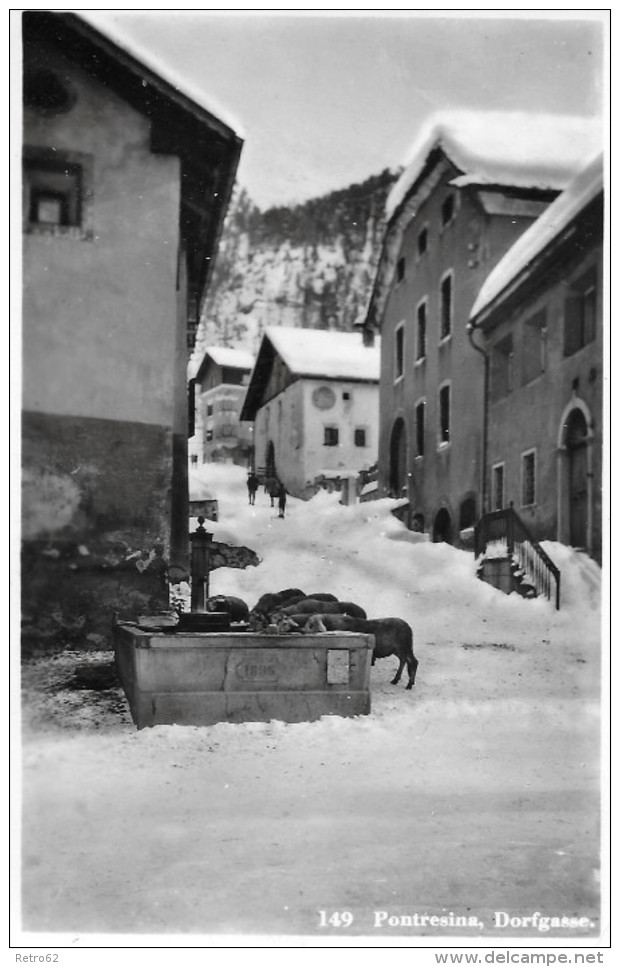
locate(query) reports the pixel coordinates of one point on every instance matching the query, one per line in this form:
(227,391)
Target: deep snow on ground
(476,792)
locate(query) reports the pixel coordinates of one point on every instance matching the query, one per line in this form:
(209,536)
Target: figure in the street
(274,489)
(281,500)
(252,486)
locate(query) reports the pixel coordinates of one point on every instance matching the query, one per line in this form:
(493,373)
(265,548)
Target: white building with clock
(313,397)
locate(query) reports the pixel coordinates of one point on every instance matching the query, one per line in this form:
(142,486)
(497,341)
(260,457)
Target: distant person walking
(281,500)
(252,487)
(274,489)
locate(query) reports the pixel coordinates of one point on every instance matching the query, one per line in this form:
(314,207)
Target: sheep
(291,623)
(269,602)
(236,608)
(393,636)
(312,606)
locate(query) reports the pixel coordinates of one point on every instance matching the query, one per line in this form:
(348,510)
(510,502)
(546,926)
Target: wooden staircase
(511,560)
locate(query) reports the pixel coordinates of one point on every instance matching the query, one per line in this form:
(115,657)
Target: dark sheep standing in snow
(393,636)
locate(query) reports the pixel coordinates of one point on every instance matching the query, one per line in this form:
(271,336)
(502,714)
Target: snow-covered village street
(476,794)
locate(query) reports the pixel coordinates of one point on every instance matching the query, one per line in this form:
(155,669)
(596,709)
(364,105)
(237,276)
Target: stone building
(313,398)
(219,389)
(476,181)
(539,320)
(126,180)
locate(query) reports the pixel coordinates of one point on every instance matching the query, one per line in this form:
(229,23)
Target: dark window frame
(421,329)
(446,305)
(65,177)
(420,427)
(445,414)
(448,210)
(529,473)
(399,352)
(498,470)
(331,436)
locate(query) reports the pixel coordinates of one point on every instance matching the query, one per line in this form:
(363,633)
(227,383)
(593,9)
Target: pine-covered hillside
(311,265)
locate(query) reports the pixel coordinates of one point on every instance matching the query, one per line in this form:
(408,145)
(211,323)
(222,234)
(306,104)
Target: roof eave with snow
(555,226)
(335,356)
(563,144)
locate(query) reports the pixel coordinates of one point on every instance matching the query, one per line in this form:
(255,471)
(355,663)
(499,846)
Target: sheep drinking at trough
(235,607)
(393,636)
(314,606)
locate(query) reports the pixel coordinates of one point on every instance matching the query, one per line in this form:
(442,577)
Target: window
(421,331)
(446,306)
(57,189)
(330,438)
(346,396)
(400,269)
(400,345)
(580,313)
(444,414)
(422,242)
(209,409)
(194,459)
(420,419)
(534,347)
(501,368)
(528,478)
(209,435)
(359,436)
(447,210)
(497,486)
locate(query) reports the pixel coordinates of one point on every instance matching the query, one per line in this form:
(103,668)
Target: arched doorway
(398,460)
(576,446)
(467,513)
(442,528)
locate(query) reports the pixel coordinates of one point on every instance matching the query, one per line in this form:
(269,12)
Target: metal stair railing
(506,527)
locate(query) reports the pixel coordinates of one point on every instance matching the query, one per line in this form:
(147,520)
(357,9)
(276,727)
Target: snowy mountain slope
(310,266)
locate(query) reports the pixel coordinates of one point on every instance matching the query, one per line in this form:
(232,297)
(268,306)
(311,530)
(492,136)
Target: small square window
(330,438)
(57,190)
(346,395)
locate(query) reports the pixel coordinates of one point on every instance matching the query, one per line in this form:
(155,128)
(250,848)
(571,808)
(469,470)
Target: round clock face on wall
(324,398)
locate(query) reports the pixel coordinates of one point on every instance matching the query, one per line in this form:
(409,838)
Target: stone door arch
(575,495)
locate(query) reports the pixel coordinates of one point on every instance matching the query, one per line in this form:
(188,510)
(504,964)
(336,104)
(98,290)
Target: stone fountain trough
(176,677)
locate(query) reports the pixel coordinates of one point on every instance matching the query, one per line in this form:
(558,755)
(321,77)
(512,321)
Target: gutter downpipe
(471,328)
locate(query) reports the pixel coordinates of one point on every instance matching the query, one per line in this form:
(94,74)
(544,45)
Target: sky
(325,99)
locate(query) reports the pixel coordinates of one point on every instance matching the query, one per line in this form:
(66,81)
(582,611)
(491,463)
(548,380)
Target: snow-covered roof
(554,220)
(519,149)
(322,353)
(111,24)
(232,358)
